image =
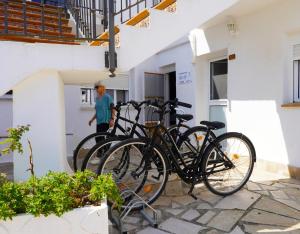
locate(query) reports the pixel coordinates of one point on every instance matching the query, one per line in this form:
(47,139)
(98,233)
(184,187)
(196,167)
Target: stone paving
(269,203)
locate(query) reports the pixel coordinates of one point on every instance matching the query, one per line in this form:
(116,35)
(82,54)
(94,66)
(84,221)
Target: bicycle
(212,164)
(89,141)
(87,144)
(100,148)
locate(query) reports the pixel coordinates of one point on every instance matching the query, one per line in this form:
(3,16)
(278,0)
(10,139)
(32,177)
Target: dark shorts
(103,127)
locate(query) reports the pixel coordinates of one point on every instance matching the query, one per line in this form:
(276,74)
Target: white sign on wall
(184,78)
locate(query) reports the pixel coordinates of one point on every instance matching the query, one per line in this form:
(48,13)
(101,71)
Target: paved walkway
(268,204)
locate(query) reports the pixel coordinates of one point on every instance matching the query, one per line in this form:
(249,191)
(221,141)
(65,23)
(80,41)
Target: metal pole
(105,23)
(112,48)
(6,16)
(94,35)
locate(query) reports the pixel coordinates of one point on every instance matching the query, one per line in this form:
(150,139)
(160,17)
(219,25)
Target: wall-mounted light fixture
(232,26)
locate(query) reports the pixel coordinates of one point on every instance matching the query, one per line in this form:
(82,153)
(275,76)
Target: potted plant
(55,203)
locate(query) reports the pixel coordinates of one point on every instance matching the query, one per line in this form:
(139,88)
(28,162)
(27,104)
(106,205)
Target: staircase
(34,22)
(153,29)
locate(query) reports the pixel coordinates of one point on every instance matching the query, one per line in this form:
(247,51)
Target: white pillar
(39,102)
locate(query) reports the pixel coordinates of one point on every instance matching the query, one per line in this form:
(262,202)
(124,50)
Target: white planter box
(93,220)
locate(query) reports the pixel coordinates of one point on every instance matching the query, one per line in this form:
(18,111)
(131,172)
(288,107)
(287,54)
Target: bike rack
(118,218)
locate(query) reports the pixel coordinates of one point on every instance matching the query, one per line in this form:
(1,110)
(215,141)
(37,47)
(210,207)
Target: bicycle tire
(81,143)
(212,146)
(158,150)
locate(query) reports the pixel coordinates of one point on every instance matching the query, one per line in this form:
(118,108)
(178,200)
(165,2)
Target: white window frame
(92,103)
(219,102)
(296,78)
(93,96)
(296,71)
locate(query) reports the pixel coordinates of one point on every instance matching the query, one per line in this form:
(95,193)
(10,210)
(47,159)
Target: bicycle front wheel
(228,163)
(137,169)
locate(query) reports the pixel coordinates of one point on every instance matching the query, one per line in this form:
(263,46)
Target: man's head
(100,88)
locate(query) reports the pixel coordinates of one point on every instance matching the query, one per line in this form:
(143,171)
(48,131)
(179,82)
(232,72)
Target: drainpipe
(111,29)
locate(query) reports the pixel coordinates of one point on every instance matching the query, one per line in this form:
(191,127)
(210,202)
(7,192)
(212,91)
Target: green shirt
(103,108)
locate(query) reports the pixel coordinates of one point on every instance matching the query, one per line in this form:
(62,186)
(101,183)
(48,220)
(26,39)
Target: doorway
(172,94)
(218,102)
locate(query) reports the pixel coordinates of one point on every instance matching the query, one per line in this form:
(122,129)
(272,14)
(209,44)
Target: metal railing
(126,9)
(49,19)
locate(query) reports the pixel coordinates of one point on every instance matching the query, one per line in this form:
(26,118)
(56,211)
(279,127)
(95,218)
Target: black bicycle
(92,158)
(86,144)
(224,163)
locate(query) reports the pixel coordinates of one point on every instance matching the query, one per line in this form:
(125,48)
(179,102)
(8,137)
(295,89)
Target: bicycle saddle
(185,117)
(215,125)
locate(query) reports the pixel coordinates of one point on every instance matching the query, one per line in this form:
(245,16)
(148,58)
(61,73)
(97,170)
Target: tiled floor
(268,204)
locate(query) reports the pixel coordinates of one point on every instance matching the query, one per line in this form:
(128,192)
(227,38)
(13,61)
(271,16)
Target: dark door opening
(172,94)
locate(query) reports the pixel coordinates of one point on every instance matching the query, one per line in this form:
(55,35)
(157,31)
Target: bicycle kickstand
(191,191)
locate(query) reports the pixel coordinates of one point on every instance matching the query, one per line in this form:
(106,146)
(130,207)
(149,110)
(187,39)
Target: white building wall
(180,57)
(5,122)
(259,79)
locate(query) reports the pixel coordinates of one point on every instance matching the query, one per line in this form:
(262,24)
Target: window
(122,95)
(218,79)
(87,96)
(296,65)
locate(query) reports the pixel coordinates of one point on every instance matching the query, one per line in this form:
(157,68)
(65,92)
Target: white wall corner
(39,102)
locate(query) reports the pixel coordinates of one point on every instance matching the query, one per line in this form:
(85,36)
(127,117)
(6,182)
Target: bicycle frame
(175,156)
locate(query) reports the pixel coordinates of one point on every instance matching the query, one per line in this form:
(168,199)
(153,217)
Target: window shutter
(296,51)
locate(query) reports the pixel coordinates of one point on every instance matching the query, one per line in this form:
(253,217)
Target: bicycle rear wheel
(127,162)
(190,143)
(228,163)
(84,147)
(92,159)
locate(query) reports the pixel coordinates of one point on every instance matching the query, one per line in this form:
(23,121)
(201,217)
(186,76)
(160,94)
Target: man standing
(104,110)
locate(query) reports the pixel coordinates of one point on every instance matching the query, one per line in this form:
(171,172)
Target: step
(34,16)
(30,8)
(104,36)
(34,27)
(20,12)
(144,14)
(36,23)
(164,4)
(12,29)
(36,4)
(36,40)
(138,18)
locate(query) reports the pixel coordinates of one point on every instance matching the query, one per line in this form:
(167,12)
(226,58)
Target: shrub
(56,193)
(3,179)
(12,199)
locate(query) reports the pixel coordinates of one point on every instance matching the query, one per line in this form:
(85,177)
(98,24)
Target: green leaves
(3,178)
(13,141)
(56,193)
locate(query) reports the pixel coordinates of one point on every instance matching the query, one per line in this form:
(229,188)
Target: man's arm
(92,119)
(112,117)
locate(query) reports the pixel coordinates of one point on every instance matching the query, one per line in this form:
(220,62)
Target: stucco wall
(179,57)
(259,79)
(5,122)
